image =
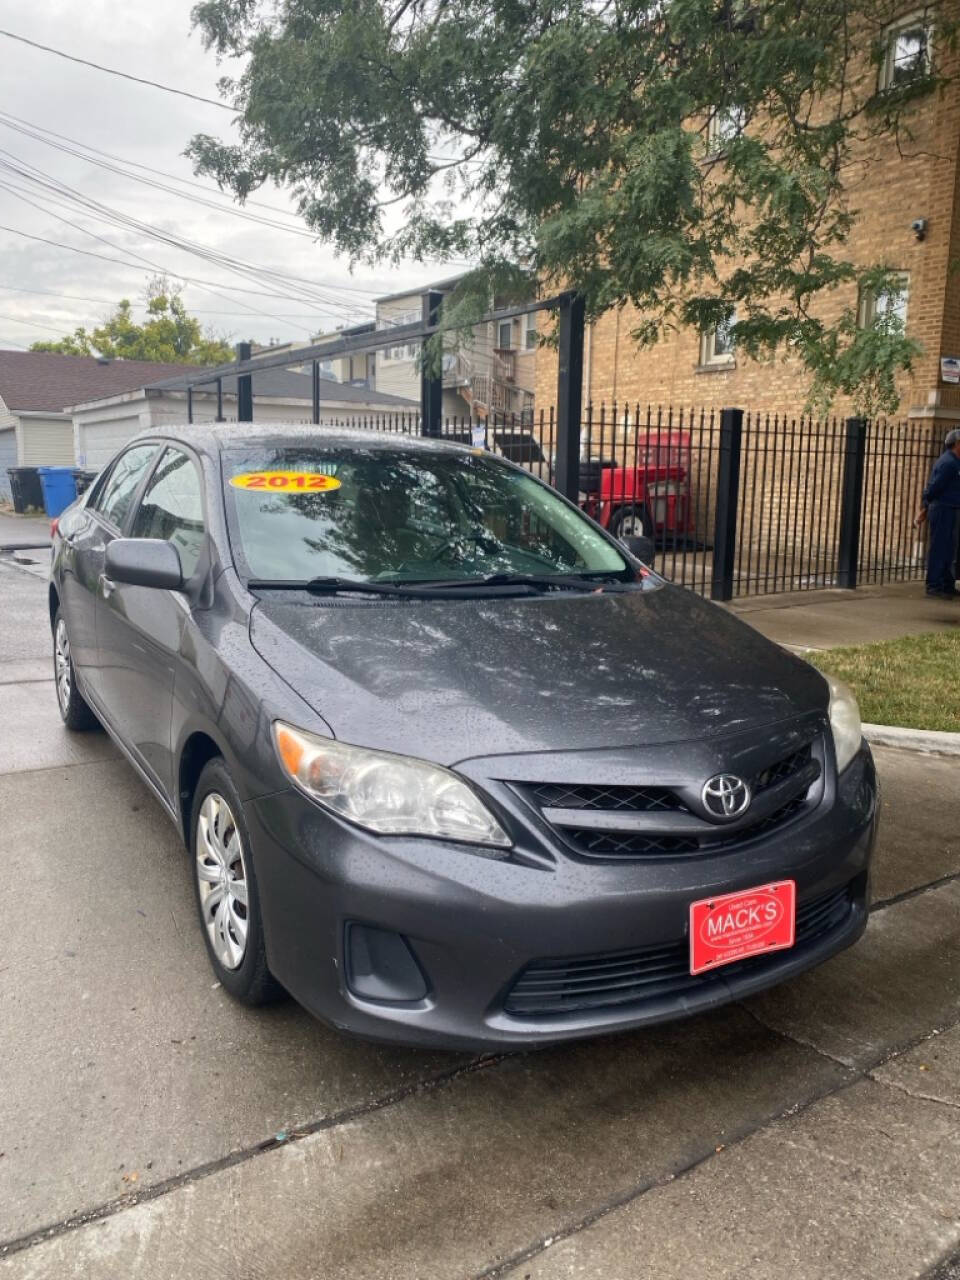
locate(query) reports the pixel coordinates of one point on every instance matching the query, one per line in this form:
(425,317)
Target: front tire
(226,889)
(74,710)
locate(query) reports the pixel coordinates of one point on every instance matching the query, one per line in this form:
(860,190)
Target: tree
(169,335)
(575,143)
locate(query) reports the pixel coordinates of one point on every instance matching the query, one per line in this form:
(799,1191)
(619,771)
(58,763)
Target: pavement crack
(916,892)
(917,1094)
(846,1063)
(854,1076)
(111,1207)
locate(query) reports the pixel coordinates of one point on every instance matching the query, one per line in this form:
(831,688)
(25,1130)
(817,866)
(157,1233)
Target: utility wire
(305,290)
(124,75)
(136,164)
(155,266)
(110,302)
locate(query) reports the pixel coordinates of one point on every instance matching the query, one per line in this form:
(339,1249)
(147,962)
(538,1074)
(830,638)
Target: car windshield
(376,514)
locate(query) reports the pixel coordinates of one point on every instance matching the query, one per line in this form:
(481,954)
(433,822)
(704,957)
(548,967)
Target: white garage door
(47,442)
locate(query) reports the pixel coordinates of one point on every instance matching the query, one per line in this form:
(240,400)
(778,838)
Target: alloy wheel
(222,878)
(61,658)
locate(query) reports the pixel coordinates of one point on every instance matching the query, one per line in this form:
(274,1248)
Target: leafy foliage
(169,335)
(689,157)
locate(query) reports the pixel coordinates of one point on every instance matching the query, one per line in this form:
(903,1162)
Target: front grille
(608,799)
(596,842)
(550,987)
(782,770)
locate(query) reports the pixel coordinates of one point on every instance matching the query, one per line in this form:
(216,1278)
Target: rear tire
(632,522)
(225,884)
(74,710)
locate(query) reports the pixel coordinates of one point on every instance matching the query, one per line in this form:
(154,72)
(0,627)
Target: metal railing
(739,503)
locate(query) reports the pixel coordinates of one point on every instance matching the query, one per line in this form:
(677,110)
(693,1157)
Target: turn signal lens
(386,793)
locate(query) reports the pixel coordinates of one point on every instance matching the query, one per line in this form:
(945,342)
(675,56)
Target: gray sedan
(453,766)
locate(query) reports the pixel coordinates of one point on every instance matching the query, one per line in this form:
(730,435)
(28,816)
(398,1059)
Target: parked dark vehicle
(454,767)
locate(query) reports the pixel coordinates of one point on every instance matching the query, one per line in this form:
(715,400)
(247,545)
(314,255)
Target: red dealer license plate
(736,925)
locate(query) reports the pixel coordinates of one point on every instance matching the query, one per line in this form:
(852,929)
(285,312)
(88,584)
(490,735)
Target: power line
(136,164)
(124,75)
(33,324)
(154,266)
(78,151)
(305,290)
(110,302)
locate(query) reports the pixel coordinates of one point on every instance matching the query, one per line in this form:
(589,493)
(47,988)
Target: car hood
(464,678)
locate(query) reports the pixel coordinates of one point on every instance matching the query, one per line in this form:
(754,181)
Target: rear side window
(114,499)
(172,508)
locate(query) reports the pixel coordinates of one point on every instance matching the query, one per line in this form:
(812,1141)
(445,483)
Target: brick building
(896,190)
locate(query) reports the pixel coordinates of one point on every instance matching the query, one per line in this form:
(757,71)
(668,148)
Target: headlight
(386,793)
(844,722)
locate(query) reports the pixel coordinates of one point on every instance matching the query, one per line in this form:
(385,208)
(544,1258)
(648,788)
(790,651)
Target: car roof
(215,437)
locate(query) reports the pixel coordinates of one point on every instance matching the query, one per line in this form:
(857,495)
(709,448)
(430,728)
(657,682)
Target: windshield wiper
(540,582)
(324,586)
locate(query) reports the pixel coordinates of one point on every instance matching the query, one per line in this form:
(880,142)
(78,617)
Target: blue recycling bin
(59,488)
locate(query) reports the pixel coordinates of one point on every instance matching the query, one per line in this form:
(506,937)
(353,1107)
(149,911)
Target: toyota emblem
(725,796)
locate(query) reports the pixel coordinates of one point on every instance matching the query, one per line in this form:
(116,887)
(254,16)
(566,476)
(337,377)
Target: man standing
(941,506)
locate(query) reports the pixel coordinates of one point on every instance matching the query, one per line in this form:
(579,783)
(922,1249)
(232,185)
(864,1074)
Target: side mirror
(641,546)
(144,562)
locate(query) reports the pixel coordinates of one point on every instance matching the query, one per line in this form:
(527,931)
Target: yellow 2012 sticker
(286,481)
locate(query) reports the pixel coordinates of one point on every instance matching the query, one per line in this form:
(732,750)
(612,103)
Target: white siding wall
(46,442)
(8,458)
(7,419)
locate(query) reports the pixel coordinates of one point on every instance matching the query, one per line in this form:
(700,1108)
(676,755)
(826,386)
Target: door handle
(107,586)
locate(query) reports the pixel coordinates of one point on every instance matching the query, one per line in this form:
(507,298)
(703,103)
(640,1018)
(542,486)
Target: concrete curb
(888,735)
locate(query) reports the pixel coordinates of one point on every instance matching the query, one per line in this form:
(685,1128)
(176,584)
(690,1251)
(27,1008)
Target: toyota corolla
(453,765)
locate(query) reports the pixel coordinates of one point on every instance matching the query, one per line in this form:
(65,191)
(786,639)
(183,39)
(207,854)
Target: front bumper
(474,923)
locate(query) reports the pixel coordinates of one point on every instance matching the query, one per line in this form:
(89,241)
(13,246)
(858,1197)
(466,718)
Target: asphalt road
(149,1127)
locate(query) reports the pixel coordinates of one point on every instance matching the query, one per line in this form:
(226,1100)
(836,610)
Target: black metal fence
(739,503)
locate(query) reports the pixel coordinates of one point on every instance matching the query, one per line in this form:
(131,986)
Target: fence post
(572,325)
(728,497)
(431,383)
(244,386)
(189,404)
(851,499)
(315,389)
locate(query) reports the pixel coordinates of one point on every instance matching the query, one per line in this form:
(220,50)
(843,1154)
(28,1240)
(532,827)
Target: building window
(717,346)
(505,336)
(886,307)
(724,125)
(907,51)
(406,351)
(530,335)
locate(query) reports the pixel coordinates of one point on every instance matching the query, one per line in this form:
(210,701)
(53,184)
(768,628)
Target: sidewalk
(833,618)
(23,531)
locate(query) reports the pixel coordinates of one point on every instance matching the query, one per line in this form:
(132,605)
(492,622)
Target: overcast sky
(141,124)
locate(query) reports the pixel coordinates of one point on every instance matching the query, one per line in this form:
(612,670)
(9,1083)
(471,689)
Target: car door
(139,629)
(85,545)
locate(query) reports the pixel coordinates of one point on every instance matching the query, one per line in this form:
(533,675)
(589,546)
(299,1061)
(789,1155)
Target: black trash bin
(84,479)
(26,488)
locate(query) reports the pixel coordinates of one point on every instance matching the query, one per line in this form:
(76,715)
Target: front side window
(906,53)
(114,499)
(172,508)
(399,515)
